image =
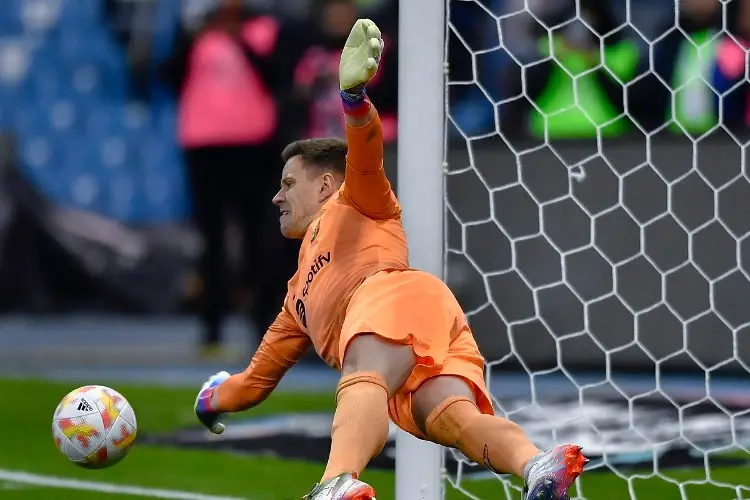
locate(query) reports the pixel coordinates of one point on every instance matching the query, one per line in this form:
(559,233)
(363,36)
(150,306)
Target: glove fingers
(371,65)
(361,55)
(375,48)
(372,30)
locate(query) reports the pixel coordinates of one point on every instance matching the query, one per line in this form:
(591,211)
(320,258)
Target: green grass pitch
(27,446)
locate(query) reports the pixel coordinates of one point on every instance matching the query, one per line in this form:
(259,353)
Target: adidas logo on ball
(84,406)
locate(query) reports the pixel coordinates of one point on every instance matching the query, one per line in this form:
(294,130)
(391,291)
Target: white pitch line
(75,484)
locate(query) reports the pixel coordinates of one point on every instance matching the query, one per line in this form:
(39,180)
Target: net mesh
(597,221)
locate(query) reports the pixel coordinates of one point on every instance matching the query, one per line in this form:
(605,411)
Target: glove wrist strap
(355,102)
(208,400)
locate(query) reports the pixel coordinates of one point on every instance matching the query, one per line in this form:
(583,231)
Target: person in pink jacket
(227,123)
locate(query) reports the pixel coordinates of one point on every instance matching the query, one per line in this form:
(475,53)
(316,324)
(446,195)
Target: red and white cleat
(343,487)
(552,473)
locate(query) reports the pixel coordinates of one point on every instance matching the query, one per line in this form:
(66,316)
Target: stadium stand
(81,138)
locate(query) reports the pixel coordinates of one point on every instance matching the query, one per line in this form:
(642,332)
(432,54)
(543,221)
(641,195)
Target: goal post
(599,245)
(421,121)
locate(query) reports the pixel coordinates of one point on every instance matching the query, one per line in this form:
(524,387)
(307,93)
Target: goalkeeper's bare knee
(370,353)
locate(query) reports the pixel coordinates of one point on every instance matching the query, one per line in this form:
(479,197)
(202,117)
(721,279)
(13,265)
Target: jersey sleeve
(281,347)
(366,186)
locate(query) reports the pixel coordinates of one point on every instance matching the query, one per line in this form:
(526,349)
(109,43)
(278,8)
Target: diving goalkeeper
(397,335)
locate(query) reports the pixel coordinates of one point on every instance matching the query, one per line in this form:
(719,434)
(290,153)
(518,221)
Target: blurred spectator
(316,74)
(682,60)
(226,74)
(564,108)
(729,75)
(132,23)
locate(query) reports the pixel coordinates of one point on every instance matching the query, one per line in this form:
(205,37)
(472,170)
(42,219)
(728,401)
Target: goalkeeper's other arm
(281,347)
(360,59)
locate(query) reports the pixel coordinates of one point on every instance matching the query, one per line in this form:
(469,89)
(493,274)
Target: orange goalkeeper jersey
(357,233)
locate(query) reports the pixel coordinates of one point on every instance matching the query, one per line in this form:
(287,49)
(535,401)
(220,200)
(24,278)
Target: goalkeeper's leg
(373,370)
(445,410)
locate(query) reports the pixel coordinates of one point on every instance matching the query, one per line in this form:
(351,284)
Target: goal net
(597,219)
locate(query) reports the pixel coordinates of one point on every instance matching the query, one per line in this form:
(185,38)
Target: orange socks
(360,425)
(493,442)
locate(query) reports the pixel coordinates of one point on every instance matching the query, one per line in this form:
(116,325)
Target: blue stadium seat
(82,175)
(104,119)
(88,61)
(45,81)
(38,153)
(32,120)
(77,14)
(50,184)
(51,78)
(118,119)
(10,19)
(80,140)
(49,116)
(87,192)
(165,185)
(15,61)
(47,88)
(87,79)
(113,151)
(86,42)
(124,196)
(38,17)
(9,103)
(165,121)
(51,160)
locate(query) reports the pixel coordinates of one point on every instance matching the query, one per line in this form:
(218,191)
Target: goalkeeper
(397,335)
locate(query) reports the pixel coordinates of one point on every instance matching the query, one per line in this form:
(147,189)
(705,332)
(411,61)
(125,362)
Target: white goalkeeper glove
(204,404)
(360,58)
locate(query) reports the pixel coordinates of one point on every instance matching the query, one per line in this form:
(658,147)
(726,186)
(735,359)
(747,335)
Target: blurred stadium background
(139,247)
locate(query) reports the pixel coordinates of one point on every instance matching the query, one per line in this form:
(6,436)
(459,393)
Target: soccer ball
(94,426)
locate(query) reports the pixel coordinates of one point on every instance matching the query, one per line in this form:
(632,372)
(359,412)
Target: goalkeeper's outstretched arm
(282,346)
(366,186)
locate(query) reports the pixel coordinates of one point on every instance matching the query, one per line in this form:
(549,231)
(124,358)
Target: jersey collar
(314,227)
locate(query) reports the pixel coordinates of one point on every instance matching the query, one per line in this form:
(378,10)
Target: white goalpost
(421,123)
(607,280)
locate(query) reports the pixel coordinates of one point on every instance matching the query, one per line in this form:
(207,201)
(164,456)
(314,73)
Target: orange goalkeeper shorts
(415,308)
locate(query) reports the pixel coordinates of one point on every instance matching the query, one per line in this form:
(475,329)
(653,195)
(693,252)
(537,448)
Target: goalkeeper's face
(303,192)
